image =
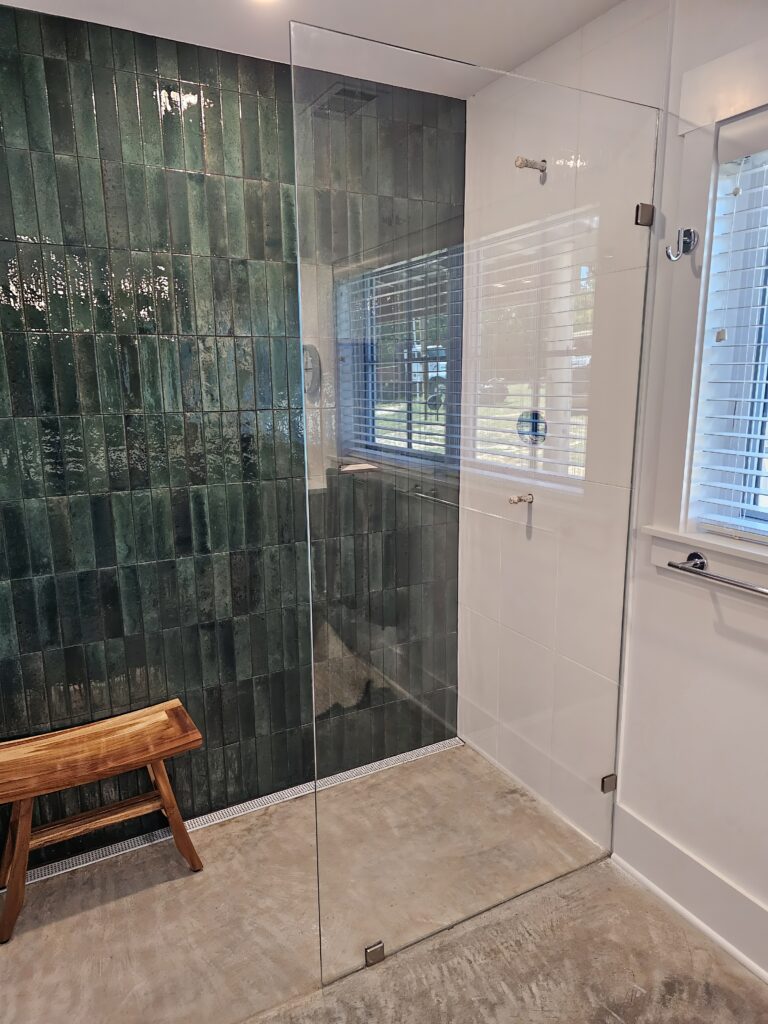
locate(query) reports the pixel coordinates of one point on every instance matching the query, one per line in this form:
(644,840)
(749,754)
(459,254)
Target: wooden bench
(74,757)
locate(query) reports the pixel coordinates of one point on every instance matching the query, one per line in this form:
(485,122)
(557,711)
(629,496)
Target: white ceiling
(494,33)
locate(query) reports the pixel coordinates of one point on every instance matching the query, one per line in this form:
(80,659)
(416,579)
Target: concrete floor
(412,850)
(592,948)
(403,853)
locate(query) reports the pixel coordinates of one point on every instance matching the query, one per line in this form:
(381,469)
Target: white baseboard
(732,919)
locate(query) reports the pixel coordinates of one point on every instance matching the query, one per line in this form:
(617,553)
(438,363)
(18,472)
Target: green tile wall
(380,176)
(153,537)
(152,486)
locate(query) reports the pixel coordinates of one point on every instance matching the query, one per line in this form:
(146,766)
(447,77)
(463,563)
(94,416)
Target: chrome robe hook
(687,240)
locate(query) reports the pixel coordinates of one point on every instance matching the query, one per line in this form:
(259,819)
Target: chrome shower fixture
(522,162)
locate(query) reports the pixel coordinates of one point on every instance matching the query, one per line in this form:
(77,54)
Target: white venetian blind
(729,480)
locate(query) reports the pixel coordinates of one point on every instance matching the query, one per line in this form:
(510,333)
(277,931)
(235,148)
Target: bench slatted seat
(44,764)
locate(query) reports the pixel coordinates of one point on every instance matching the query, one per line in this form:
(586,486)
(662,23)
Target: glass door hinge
(374,954)
(644,214)
(608,783)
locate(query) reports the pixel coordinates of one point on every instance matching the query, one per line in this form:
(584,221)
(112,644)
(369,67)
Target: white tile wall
(541,586)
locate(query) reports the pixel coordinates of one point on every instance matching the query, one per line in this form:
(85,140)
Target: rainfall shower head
(522,162)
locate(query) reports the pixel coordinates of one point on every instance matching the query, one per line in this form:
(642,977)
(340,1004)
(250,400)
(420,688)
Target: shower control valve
(521,499)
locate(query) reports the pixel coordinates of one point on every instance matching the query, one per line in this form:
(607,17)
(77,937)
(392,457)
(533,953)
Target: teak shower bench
(74,757)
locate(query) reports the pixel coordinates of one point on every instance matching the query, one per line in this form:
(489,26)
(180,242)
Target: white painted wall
(692,812)
(541,586)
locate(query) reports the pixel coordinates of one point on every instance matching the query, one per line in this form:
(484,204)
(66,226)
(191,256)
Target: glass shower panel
(471,334)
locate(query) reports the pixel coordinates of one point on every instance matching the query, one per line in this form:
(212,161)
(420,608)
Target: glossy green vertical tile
(55,272)
(145,48)
(230,113)
(254,219)
(213,138)
(10,478)
(6,408)
(46,197)
(82,531)
(151,380)
(270,160)
(157,451)
(32,277)
(7,229)
(92,192)
(40,554)
(222,296)
(275,298)
(215,191)
(170,122)
(170,373)
(65,370)
(167,60)
(115,206)
(149,109)
(136,206)
(122,49)
(70,200)
(225,348)
(60,106)
(101,291)
(30,463)
(178,208)
(257,279)
(83,110)
(87,374)
(100,43)
(192,124)
(285,150)
(157,208)
(198,215)
(205,321)
(288,222)
(36,103)
(22,195)
(183,294)
(8,40)
(213,443)
(12,108)
(131,142)
(209,373)
(122,286)
(236,232)
(251,144)
(141,265)
(122,521)
(78,290)
(241,300)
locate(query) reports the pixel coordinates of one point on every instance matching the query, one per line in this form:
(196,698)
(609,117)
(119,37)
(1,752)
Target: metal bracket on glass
(521,499)
(696,564)
(687,240)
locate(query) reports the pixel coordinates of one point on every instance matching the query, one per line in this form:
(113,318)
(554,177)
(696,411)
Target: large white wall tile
(583,746)
(479,660)
(590,579)
(526,688)
(617,332)
(479,562)
(528,580)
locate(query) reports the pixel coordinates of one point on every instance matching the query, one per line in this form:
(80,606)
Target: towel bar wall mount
(696,564)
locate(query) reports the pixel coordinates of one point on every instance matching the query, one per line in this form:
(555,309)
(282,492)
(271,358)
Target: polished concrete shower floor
(403,852)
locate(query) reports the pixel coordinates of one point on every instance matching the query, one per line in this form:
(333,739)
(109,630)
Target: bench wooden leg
(184,845)
(17,868)
(10,843)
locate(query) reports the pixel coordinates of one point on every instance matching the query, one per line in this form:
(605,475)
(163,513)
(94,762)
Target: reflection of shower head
(535,165)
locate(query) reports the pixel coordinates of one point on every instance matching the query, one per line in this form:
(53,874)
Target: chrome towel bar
(696,565)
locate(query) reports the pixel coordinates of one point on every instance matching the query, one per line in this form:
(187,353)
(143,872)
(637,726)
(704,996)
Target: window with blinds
(729,478)
(399,333)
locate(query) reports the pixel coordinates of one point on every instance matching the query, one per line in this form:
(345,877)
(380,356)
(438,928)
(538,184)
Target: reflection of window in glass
(530,324)
(729,480)
(399,331)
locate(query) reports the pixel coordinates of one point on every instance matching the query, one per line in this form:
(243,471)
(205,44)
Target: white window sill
(706,542)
